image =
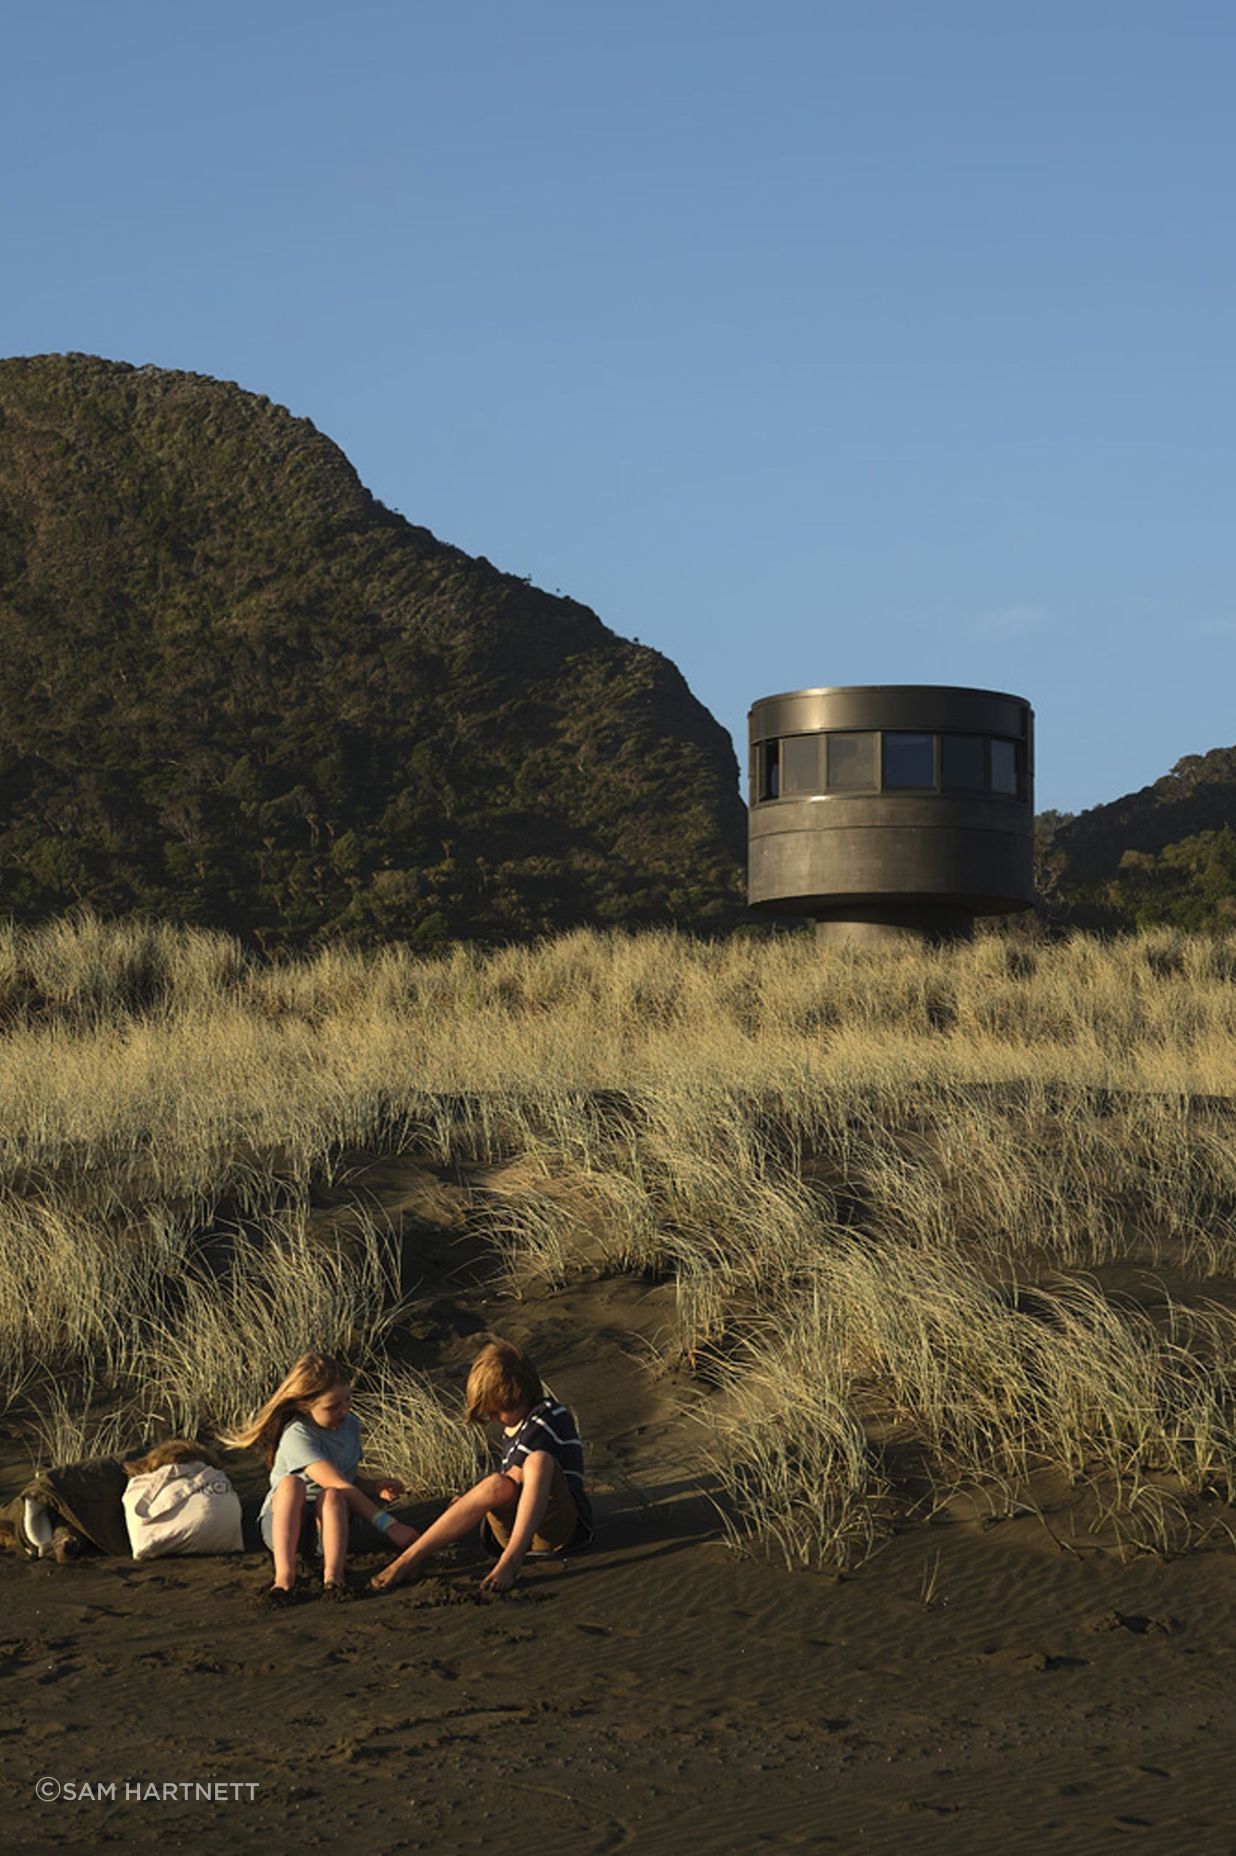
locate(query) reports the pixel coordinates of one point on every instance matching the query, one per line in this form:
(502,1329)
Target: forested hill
(1166,854)
(239,691)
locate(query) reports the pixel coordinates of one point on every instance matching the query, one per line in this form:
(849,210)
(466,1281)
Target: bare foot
(276,1598)
(389,1577)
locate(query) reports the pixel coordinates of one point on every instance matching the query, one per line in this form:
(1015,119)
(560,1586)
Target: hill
(240,692)
(1163,856)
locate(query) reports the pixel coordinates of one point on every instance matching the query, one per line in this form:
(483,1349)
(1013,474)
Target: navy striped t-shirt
(550,1426)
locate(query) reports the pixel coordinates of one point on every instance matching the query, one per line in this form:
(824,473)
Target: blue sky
(812,343)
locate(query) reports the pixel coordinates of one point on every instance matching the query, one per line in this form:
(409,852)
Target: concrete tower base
(883,927)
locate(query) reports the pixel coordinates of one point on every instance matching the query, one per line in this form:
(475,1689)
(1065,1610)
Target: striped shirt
(550,1427)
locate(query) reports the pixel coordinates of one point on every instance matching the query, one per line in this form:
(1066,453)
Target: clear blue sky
(810,341)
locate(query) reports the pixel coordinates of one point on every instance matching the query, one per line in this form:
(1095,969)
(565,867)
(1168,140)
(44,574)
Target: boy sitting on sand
(535,1502)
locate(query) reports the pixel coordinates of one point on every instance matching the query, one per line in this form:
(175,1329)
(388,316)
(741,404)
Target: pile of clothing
(174,1499)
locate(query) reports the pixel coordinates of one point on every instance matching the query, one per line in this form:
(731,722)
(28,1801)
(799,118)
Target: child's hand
(401,1535)
(501,1579)
(389,1489)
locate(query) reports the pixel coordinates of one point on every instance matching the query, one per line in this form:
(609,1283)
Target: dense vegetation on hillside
(240,692)
(1164,856)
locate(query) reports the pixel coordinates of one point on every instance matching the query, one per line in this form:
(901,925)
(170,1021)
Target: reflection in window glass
(1004,767)
(800,764)
(909,760)
(770,770)
(961,763)
(851,763)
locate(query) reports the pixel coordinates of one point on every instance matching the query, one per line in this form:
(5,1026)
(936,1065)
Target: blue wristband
(382,1520)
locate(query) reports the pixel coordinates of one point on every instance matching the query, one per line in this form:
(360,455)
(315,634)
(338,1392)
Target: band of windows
(884,761)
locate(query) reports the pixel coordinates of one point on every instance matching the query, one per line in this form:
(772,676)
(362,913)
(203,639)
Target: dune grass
(878,1182)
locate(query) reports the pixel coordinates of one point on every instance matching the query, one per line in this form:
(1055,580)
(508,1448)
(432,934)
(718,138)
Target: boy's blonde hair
(502,1378)
(307,1379)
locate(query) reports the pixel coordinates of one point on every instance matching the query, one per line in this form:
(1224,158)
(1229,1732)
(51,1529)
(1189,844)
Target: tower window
(800,764)
(851,762)
(768,775)
(962,763)
(1004,768)
(909,760)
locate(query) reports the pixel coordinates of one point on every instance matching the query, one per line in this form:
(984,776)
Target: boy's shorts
(559,1524)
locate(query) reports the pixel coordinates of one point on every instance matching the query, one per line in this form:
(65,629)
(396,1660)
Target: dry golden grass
(876,1180)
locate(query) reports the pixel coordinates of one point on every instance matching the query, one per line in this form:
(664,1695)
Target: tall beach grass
(878,1182)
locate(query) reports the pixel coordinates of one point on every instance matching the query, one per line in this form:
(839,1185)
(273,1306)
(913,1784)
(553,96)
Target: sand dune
(969,1688)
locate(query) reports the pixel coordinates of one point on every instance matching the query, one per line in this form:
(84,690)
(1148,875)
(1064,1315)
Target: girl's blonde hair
(308,1378)
(501,1378)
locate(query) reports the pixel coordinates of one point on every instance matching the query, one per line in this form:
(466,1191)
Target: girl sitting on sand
(535,1502)
(311,1441)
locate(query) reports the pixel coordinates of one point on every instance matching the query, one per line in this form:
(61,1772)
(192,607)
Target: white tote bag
(182,1508)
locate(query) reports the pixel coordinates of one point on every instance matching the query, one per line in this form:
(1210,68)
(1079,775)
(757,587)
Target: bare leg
(536,1479)
(463,1515)
(334,1513)
(286,1508)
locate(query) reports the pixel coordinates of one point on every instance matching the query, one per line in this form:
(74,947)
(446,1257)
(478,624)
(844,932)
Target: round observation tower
(891,809)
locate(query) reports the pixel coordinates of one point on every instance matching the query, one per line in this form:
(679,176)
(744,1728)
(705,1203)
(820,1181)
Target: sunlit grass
(851,1165)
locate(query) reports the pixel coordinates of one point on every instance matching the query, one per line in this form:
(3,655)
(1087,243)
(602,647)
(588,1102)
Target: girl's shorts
(309,1545)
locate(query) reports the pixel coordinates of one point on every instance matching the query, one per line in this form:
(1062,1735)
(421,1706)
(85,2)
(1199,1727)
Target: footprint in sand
(1136,1622)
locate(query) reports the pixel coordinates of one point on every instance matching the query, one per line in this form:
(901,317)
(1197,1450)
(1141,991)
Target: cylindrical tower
(891,809)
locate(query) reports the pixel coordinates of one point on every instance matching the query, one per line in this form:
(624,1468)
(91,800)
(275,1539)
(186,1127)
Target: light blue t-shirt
(303,1443)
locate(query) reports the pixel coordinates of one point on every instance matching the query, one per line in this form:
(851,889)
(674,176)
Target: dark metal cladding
(891,809)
